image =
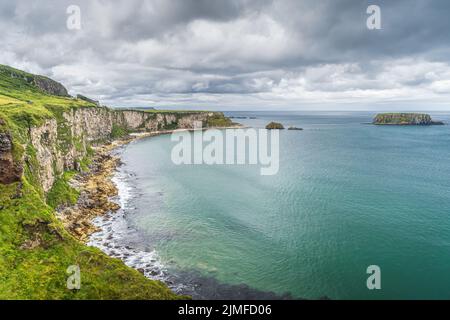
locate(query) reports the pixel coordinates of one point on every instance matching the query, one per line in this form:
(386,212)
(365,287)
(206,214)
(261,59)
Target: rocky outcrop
(96,190)
(402,119)
(10,170)
(42,83)
(50,86)
(274,126)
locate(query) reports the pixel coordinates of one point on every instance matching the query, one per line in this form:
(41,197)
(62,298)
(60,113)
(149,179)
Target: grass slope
(35,249)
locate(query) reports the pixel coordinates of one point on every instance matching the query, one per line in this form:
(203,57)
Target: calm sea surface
(347,195)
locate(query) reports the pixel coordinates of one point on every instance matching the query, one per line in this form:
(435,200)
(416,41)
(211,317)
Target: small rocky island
(295,128)
(405,119)
(274,126)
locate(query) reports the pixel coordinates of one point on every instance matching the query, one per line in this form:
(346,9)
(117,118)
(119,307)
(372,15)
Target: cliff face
(62,145)
(10,171)
(418,119)
(50,86)
(43,134)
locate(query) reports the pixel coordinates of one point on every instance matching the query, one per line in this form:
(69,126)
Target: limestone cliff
(45,136)
(62,144)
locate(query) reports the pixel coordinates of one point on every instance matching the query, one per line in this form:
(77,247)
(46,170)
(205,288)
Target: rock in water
(405,119)
(274,126)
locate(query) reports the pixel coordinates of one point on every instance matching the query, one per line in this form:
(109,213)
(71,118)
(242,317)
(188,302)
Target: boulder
(274,126)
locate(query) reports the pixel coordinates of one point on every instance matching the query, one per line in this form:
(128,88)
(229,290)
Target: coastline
(114,236)
(99,205)
(96,186)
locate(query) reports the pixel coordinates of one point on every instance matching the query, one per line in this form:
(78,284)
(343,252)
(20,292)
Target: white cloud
(220,54)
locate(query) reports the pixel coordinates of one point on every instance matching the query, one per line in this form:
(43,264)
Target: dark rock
(10,170)
(295,128)
(274,126)
(50,86)
(141,270)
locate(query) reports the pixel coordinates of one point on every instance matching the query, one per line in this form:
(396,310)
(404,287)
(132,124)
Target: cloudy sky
(238,54)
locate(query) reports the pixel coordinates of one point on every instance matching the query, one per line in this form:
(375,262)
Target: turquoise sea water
(347,195)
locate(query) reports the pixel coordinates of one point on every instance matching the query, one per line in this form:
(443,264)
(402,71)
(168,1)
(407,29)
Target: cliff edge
(47,136)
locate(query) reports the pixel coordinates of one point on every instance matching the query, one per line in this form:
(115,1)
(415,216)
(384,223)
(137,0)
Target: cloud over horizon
(243,54)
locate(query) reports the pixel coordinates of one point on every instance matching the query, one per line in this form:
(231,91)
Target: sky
(237,54)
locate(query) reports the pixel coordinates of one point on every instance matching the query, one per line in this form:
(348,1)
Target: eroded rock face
(49,158)
(50,86)
(9,170)
(59,146)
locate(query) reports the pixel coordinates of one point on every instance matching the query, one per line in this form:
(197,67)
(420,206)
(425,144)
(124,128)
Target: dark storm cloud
(227,52)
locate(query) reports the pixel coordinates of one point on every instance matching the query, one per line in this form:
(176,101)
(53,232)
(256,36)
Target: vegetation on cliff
(404,119)
(62,194)
(35,248)
(218,120)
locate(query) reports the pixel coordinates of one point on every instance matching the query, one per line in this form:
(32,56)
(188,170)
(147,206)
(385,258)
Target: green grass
(26,104)
(35,249)
(4,100)
(39,272)
(118,132)
(218,120)
(62,193)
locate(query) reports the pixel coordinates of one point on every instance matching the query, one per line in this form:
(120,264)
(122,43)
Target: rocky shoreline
(97,188)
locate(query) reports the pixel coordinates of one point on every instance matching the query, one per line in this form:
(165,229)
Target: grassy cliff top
(29,98)
(25,97)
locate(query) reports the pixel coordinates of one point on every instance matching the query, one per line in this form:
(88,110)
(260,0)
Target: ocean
(348,195)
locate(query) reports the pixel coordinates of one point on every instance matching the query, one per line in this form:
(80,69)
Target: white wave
(114,230)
